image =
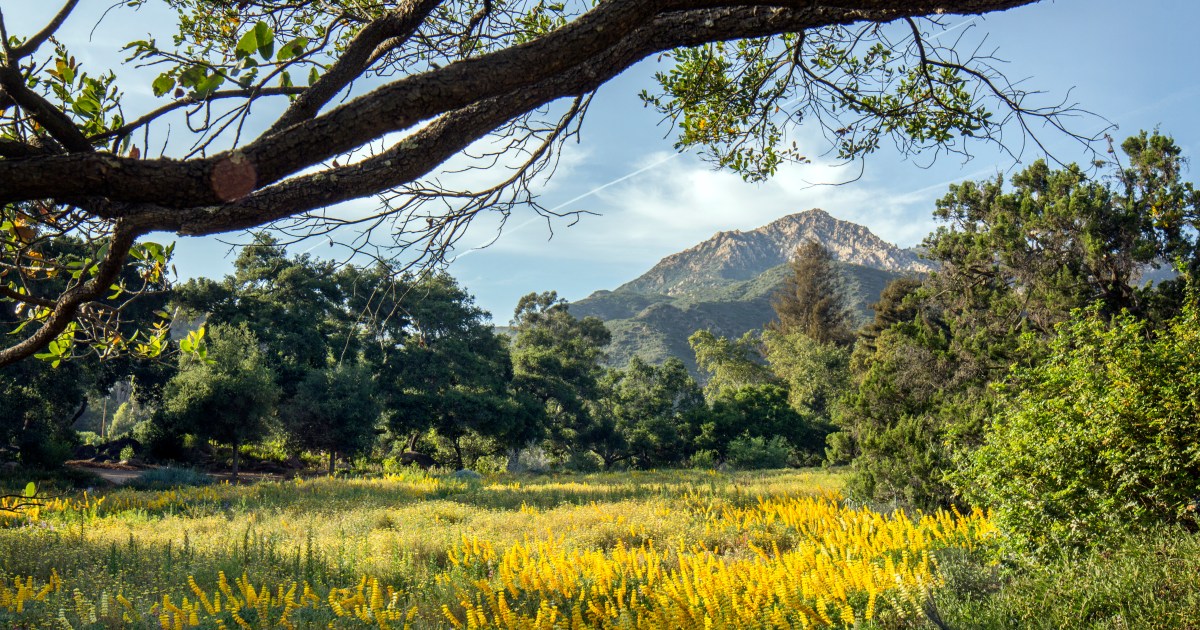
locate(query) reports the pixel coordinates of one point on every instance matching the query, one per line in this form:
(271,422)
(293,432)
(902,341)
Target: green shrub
(170,477)
(43,448)
(162,439)
(127,417)
(754,453)
(583,461)
(704,460)
(1098,439)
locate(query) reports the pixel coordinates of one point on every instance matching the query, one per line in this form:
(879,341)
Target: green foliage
(230,400)
(646,414)
(128,415)
(1099,438)
(40,403)
(815,299)
(335,409)
(729,97)
(718,93)
(293,305)
(93,101)
(817,374)
(908,399)
(169,477)
(556,366)
(1147,581)
(758,411)
(756,453)
(1014,263)
(50,263)
(438,363)
(731,364)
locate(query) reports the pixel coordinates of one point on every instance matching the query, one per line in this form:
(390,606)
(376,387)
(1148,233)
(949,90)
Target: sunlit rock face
(741,255)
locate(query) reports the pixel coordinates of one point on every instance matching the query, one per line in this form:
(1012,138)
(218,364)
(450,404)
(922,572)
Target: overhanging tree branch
(466,72)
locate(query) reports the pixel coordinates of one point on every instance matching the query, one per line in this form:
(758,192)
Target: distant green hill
(727,283)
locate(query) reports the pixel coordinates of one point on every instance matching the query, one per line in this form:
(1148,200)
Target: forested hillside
(727,284)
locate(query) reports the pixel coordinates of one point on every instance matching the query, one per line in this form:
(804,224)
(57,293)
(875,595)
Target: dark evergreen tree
(814,301)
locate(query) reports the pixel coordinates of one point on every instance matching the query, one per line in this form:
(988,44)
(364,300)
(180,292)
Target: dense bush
(1100,438)
(754,453)
(127,417)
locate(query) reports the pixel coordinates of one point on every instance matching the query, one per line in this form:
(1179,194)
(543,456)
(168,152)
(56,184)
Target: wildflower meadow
(683,549)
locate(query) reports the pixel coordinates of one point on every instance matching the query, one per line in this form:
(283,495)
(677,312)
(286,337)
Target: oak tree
(294,107)
(230,397)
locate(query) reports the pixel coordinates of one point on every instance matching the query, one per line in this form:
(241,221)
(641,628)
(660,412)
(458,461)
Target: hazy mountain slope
(661,329)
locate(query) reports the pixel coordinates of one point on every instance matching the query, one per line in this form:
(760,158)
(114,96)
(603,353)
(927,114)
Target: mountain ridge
(726,284)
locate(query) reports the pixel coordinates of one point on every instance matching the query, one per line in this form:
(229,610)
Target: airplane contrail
(584,195)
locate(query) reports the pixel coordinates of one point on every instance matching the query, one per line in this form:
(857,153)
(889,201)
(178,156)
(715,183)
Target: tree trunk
(514,459)
(237,452)
(332,460)
(412,441)
(78,413)
(458,460)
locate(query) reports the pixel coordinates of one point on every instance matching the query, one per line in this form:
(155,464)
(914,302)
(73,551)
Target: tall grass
(1142,581)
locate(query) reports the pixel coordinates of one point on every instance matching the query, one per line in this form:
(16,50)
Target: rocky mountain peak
(737,255)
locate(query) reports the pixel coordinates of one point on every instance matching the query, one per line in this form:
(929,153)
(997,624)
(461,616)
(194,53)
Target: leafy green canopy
(1100,437)
(556,366)
(731,364)
(230,397)
(438,361)
(646,415)
(1014,262)
(336,410)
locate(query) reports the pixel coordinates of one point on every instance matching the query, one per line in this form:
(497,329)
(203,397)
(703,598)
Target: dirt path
(116,474)
(117,477)
(119,474)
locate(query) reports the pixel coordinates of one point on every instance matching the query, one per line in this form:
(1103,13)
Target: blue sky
(1133,63)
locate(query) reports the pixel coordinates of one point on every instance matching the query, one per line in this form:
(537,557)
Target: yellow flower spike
(376,595)
(239,621)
